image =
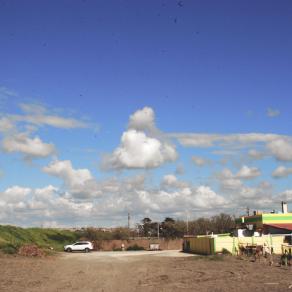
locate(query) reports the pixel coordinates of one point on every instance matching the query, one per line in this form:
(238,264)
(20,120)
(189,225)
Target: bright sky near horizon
(157,108)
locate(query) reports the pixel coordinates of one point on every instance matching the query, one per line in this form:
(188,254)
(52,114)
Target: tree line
(169,228)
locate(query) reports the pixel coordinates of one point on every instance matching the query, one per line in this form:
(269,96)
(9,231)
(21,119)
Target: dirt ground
(140,271)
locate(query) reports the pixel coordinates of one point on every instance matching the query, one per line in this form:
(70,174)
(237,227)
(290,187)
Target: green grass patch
(12,237)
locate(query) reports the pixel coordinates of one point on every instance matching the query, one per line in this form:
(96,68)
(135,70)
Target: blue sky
(150,107)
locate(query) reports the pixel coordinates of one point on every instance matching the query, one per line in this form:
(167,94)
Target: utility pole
(247,211)
(158,230)
(129,218)
(187,222)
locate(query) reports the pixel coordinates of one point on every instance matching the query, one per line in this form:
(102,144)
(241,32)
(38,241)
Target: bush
(9,249)
(135,247)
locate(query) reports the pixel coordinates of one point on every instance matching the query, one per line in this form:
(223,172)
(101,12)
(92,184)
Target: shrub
(9,249)
(135,247)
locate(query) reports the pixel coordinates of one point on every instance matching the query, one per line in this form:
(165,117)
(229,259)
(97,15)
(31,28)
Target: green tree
(146,228)
(168,228)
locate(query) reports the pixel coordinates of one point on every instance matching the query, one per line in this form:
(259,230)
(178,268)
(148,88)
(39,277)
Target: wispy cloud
(40,115)
(272,113)
(281,171)
(211,140)
(20,130)
(30,147)
(5,92)
(200,161)
(278,146)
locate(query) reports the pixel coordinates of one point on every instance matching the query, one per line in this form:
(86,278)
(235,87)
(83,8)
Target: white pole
(187,223)
(158,230)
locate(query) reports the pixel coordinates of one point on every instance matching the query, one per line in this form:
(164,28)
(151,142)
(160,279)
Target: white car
(85,246)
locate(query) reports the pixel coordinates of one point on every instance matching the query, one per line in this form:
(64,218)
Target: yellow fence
(211,245)
(201,245)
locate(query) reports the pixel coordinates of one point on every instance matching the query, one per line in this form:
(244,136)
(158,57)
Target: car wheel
(86,250)
(69,249)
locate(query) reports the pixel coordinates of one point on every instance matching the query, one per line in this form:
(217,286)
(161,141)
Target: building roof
(286,226)
(268,219)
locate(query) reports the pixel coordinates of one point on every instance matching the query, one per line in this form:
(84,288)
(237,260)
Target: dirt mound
(31,251)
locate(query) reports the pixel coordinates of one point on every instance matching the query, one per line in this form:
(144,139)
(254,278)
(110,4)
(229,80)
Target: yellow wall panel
(207,245)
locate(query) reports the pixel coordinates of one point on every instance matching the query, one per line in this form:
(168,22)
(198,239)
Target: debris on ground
(30,251)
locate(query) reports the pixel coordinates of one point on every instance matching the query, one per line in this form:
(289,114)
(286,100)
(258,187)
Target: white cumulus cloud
(143,119)
(285,196)
(79,182)
(281,171)
(281,149)
(200,161)
(248,172)
(6,125)
(170,180)
(230,181)
(139,148)
(33,207)
(255,154)
(14,194)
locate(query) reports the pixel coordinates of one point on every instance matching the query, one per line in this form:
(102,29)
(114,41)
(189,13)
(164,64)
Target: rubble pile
(30,251)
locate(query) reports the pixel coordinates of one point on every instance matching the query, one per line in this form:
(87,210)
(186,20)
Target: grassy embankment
(11,238)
